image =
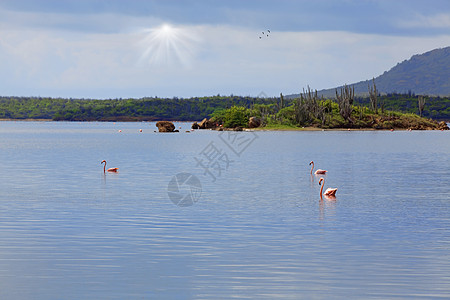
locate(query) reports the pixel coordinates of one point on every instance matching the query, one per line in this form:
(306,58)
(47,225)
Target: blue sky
(120,49)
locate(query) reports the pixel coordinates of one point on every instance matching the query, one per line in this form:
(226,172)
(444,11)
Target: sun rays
(168,45)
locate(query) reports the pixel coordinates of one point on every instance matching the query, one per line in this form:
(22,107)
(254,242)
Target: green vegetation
(437,108)
(145,109)
(236,116)
(374,111)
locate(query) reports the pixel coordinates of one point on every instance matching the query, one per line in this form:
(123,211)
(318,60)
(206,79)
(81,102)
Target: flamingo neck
(312,167)
(104,168)
(321,189)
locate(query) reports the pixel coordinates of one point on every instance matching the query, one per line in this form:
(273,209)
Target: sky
(167,48)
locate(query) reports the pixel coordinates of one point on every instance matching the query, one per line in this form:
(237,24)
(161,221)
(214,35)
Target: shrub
(236,116)
(287,115)
(219,115)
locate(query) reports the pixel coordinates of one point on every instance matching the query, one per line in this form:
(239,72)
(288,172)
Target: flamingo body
(320,171)
(330,192)
(112,170)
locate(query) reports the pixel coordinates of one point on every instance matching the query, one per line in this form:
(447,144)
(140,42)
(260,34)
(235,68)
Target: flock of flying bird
(264,34)
(330,193)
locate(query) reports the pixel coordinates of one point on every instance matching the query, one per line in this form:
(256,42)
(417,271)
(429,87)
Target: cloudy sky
(136,48)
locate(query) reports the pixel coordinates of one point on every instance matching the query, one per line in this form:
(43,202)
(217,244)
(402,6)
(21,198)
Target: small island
(309,112)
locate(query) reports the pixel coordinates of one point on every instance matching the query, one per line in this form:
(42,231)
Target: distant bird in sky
(264,34)
(114,170)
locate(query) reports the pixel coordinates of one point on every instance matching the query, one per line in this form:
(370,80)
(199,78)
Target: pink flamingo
(114,170)
(318,171)
(329,191)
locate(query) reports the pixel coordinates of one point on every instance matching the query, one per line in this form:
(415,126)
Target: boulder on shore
(443,126)
(195,125)
(165,126)
(206,124)
(254,122)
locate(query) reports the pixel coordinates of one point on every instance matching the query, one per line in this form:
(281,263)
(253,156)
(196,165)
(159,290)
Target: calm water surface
(258,229)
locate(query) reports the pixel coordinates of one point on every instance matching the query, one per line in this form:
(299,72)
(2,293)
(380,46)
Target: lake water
(211,215)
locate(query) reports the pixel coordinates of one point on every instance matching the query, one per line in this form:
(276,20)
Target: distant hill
(422,74)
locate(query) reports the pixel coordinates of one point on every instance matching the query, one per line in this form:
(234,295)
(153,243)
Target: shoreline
(314,129)
(27,120)
(259,129)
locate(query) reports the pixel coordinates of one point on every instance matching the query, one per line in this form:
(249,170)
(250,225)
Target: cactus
(421,100)
(308,107)
(345,100)
(373,94)
(281,101)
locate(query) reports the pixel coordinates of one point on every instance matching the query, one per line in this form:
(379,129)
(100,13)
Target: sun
(168,45)
(166,29)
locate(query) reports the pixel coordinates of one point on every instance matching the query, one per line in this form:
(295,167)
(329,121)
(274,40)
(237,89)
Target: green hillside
(425,74)
(144,109)
(422,74)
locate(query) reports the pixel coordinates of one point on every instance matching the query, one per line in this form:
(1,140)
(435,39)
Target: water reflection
(260,231)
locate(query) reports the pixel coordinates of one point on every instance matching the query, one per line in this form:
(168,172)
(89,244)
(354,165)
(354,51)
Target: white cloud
(439,21)
(88,23)
(214,59)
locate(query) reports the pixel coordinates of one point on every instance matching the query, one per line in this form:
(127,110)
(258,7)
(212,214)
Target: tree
(263,111)
(236,116)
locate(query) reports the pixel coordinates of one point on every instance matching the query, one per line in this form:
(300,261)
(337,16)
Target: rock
(254,122)
(195,125)
(238,128)
(443,126)
(206,124)
(165,126)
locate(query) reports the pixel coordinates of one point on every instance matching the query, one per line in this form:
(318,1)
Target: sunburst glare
(168,45)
